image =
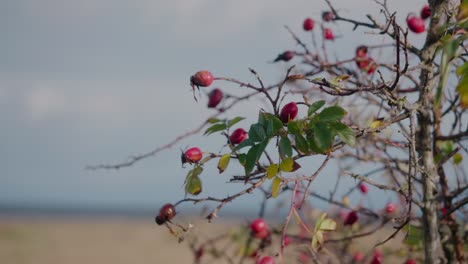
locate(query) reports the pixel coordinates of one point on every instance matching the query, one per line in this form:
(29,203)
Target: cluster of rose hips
(377,258)
(308,25)
(205,79)
(363,61)
(327,16)
(415,23)
(259,229)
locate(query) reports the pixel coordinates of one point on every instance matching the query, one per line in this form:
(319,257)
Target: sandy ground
(66,240)
(96,240)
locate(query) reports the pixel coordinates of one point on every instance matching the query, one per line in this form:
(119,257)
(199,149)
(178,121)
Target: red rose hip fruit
(258,225)
(202,78)
(328,34)
(363,187)
(215,98)
(410,261)
(415,24)
(328,16)
(425,12)
(361,51)
(390,208)
(285,56)
(308,24)
(238,136)
(366,64)
(376,260)
(358,257)
(351,218)
(265,260)
(192,155)
(259,228)
(289,112)
(166,213)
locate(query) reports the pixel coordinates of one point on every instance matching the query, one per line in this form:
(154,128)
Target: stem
(425,143)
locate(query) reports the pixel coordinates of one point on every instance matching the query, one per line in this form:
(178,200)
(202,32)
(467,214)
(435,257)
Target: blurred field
(42,240)
(116,239)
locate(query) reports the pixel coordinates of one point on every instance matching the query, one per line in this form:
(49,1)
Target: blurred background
(96,81)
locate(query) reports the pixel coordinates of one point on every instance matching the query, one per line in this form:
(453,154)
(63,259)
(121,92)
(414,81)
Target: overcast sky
(94,81)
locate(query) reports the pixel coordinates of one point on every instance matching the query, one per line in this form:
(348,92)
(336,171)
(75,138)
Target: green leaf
(193,186)
(311,142)
(213,120)
(215,128)
(463,69)
(243,144)
(251,160)
(269,128)
(272,171)
(293,127)
(449,51)
(446,147)
(262,118)
(223,162)
(332,113)
(415,237)
(193,183)
(275,186)
(253,155)
(315,106)
(287,165)
(277,123)
(242,159)
(270,122)
(234,121)
(301,144)
(257,133)
(344,132)
(285,148)
(322,225)
(462,89)
(323,136)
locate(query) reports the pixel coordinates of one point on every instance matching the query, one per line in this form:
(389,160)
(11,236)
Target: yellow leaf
(317,240)
(462,89)
(295,77)
(272,171)
(463,11)
(345,200)
(275,187)
(328,225)
(464,101)
(377,123)
(457,158)
(287,165)
(223,162)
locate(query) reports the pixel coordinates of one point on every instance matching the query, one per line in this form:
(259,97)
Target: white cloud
(43,102)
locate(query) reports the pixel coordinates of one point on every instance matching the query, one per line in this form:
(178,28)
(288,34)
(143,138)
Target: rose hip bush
(391,124)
